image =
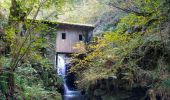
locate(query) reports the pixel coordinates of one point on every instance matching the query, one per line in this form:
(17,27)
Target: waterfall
(61,67)
(70,93)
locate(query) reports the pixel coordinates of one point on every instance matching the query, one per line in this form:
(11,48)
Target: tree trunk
(11,86)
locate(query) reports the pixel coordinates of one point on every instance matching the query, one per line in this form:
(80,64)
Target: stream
(70,91)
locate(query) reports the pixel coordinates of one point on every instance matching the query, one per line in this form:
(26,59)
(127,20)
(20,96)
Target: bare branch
(130,10)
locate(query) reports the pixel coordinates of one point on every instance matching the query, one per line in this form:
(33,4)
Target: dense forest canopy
(127,59)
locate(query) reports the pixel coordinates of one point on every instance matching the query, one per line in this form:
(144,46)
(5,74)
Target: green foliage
(30,85)
(136,52)
(25,63)
(4,72)
(85,11)
(132,50)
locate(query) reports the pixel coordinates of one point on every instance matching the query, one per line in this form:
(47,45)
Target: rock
(99,92)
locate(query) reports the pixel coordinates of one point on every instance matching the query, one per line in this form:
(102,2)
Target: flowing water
(70,92)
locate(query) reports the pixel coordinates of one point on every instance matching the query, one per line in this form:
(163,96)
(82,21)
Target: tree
(134,52)
(21,31)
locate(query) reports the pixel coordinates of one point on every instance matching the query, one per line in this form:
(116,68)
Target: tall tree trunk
(16,22)
(13,22)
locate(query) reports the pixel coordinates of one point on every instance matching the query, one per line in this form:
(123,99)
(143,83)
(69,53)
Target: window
(80,37)
(63,35)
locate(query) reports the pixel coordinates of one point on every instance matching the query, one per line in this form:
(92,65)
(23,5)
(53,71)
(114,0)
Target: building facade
(68,35)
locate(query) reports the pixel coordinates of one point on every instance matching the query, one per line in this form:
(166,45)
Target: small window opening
(63,35)
(80,37)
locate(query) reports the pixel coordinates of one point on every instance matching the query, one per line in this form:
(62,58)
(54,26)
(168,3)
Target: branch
(52,13)
(28,32)
(130,10)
